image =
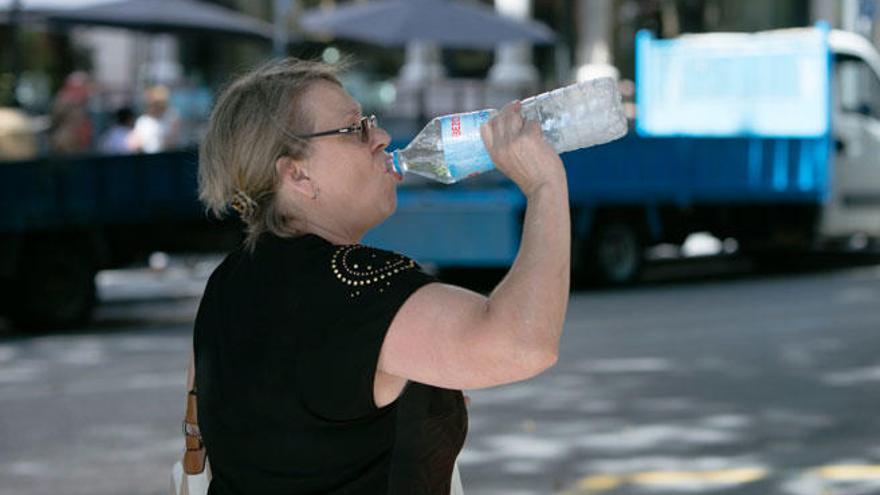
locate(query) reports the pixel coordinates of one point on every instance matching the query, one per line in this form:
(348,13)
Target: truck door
(854,204)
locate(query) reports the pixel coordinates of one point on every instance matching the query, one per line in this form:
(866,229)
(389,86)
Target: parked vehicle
(64,218)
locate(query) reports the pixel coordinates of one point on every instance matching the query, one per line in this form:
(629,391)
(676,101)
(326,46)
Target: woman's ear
(294,175)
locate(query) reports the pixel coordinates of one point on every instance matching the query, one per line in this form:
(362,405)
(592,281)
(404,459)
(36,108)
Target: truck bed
(689,170)
(87,191)
(477,222)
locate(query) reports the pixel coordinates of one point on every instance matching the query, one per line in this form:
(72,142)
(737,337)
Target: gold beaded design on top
(360,266)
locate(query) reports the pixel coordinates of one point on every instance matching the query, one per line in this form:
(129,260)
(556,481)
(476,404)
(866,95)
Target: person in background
(157,129)
(118,139)
(17,138)
(71,129)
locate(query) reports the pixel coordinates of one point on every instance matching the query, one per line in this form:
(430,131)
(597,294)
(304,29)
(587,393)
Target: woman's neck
(337,236)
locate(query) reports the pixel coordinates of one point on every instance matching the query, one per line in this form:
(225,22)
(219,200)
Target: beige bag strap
(195,455)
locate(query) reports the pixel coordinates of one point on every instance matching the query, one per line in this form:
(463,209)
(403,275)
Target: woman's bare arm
(454,338)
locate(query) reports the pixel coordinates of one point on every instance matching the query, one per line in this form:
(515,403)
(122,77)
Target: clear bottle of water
(450,148)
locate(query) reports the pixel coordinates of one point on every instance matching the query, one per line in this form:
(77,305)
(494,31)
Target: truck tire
(615,255)
(54,288)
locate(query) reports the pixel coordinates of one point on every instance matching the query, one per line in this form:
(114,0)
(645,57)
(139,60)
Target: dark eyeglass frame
(363,126)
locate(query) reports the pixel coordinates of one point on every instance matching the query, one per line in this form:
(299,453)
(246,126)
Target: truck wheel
(54,288)
(616,254)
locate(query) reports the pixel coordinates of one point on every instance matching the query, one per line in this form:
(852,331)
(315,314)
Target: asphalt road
(720,381)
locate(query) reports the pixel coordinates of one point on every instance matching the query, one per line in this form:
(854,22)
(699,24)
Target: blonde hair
(254,122)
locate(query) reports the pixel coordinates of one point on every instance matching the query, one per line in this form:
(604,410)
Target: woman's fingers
(533,128)
(519,150)
(504,127)
(511,119)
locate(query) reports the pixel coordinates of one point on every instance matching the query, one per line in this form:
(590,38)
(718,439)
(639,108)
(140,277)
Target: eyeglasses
(363,127)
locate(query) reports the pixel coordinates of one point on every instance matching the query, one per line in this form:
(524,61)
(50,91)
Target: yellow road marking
(599,483)
(848,472)
(604,482)
(744,475)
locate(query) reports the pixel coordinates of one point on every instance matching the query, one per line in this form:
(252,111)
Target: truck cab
(852,211)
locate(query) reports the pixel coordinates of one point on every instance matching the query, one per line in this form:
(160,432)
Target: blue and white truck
(770,138)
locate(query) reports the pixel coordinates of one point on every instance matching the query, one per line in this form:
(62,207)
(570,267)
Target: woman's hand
(519,150)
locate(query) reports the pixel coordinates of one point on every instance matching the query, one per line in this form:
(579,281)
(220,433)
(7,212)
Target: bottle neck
(398,163)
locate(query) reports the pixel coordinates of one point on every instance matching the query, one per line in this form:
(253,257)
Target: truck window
(857,87)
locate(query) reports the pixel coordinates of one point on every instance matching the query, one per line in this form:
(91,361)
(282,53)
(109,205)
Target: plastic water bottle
(450,148)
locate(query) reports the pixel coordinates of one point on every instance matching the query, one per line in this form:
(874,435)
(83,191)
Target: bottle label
(463,147)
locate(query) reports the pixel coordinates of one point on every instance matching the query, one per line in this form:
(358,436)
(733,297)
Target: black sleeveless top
(287,341)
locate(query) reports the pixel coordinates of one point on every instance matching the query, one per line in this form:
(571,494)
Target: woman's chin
(391,209)
(383,214)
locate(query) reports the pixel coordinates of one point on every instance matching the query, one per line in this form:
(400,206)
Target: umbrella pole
(423,112)
(14,23)
(280,13)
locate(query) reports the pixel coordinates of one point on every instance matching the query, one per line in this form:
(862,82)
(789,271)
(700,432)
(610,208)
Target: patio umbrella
(174,16)
(37,10)
(14,13)
(449,23)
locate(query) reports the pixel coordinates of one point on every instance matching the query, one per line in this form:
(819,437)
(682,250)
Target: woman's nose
(381,138)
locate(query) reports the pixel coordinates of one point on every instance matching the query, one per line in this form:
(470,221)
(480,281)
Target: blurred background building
(143,78)
(594,37)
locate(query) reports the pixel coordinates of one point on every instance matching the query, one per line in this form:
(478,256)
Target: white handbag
(189,484)
(456,481)
(192,474)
